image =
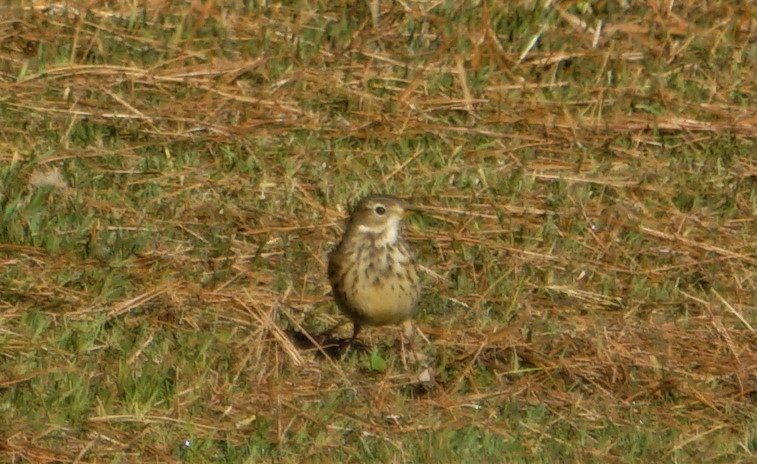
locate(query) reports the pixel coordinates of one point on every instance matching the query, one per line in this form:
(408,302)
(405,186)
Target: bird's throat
(381,236)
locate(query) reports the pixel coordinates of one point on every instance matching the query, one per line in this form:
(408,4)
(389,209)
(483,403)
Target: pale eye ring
(380,210)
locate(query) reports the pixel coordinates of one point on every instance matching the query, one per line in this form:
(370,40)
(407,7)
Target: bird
(373,274)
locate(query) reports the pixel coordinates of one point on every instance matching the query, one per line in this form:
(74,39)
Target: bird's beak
(407,210)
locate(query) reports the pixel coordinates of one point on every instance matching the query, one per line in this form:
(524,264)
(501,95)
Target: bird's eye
(380,210)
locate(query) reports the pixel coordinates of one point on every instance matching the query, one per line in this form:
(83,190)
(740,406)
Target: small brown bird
(372,271)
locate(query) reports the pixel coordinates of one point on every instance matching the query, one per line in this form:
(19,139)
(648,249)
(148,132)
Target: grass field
(174,174)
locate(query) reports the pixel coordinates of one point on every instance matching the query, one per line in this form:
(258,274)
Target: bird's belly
(383,290)
(388,301)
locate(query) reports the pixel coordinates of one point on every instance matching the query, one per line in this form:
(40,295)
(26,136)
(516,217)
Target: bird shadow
(324,343)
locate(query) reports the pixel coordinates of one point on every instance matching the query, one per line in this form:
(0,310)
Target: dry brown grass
(173,177)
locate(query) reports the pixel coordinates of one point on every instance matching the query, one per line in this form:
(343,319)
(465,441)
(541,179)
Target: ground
(174,174)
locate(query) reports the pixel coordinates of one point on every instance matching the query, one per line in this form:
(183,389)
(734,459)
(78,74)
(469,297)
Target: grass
(174,176)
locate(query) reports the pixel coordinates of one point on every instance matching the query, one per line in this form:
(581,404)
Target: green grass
(172,179)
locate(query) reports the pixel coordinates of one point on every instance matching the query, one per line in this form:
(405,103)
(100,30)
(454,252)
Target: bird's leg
(350,345)
(407,337)
(407,332)
(355,332)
